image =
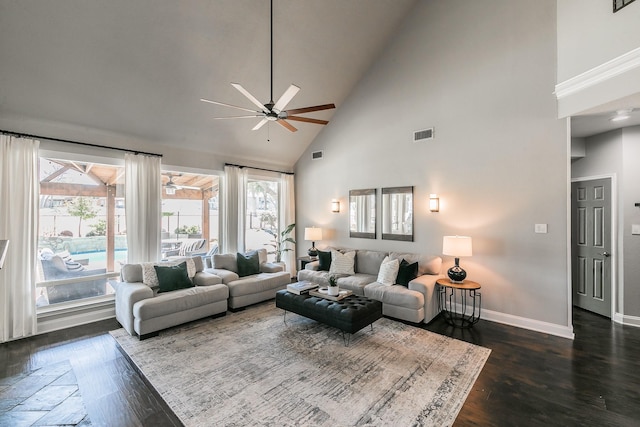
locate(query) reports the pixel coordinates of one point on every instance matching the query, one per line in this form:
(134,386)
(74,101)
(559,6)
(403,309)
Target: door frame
(615,250)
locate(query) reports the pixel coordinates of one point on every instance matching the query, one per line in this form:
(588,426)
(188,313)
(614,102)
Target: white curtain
(19,202)
(288,216)
(143,202)
(233,209)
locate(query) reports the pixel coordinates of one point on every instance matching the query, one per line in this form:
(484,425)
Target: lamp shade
(457,246)
(312,233)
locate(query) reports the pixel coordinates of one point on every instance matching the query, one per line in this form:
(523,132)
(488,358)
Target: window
(82,238)
(190,215)
(262,213)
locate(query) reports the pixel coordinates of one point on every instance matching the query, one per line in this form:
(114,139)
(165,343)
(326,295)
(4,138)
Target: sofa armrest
(313,265)
(426,285)
(127,294)
(205,278)
(270,267)
(226,275)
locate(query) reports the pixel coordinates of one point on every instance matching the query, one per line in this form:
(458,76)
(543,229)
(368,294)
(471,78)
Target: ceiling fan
(170,187)
(274,112)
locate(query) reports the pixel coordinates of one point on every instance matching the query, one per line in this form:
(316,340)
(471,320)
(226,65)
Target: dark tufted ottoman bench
(349,315)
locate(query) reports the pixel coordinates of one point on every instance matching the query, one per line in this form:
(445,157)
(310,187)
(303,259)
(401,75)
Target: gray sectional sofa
(417,302)
(251,289)
(142,309)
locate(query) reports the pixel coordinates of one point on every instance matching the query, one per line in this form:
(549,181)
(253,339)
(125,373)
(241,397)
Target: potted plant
(334,290)
(279,241)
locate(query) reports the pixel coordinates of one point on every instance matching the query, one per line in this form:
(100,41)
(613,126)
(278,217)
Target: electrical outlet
(635,228)
(541,228)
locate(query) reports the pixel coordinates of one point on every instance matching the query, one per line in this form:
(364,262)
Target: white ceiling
(139,67)
(598,120)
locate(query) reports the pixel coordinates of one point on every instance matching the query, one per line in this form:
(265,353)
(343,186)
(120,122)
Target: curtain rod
(86,144)
(260,169)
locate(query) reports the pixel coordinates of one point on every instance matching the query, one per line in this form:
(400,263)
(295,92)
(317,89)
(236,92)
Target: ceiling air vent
(423,135)
(316,155)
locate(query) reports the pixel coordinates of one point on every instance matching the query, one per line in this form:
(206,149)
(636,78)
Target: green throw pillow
(324,260)
(406,273)
(173,278)
(248,263)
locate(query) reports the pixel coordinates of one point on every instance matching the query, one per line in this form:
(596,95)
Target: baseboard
(531,324)
(55,321)
(626,320)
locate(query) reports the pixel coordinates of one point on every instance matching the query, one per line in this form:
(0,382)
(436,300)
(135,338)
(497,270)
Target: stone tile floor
(47,396)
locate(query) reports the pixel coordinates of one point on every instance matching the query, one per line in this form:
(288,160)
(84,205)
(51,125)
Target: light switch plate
(541,228)
(635,228)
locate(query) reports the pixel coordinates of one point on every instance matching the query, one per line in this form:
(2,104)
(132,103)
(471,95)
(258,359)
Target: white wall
(483,74)
(631,213)
(590,34)
(598,54)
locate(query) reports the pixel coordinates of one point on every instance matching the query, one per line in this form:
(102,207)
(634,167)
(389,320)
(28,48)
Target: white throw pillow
(388,271)
(150,278)
(342,263)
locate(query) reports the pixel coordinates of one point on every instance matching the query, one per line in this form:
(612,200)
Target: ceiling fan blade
(250,97)
(286,125)
(238,117)
(259,125)
(228,105)
(286,97)
(308,120)
(310,109)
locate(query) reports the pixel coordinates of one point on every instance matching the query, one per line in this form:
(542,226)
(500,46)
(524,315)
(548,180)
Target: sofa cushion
(180,300)
(342,263)
(258,283)
(406,272)
(203,278)
(356,282)
(396,295)
(324,259)
(226,275)
(225,262)
(316,276)
(368,262)
(427,264)
(388,271)
(248,263)
(171,278)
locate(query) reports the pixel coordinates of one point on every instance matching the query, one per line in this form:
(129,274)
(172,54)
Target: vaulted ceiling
(139,67)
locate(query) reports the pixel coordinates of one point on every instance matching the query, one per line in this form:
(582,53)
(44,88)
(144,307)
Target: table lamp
(313,234)
(456,246)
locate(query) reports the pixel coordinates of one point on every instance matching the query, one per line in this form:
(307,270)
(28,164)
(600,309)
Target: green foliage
(81,207)
(186,229)
(333,281)
(279,241)
(98,229)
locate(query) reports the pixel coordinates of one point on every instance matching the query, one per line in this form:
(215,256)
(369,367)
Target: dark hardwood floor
(530,379)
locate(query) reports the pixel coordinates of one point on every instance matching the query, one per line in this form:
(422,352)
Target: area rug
(251,368)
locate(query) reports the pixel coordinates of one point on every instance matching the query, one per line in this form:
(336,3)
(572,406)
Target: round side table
(460,303)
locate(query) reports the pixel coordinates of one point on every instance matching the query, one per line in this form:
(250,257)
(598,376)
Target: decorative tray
(324,293)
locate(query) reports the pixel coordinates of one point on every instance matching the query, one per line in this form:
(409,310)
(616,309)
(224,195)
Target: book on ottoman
(300,288)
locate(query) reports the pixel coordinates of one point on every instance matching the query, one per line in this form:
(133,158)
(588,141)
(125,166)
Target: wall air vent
(423,135)
(316,155)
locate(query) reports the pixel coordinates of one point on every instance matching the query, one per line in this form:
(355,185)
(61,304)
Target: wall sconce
(335,206)
(434,203)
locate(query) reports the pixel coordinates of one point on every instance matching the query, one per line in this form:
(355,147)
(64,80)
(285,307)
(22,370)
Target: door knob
(606,254)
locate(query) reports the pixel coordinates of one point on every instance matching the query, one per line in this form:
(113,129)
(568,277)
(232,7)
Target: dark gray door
(591,245)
